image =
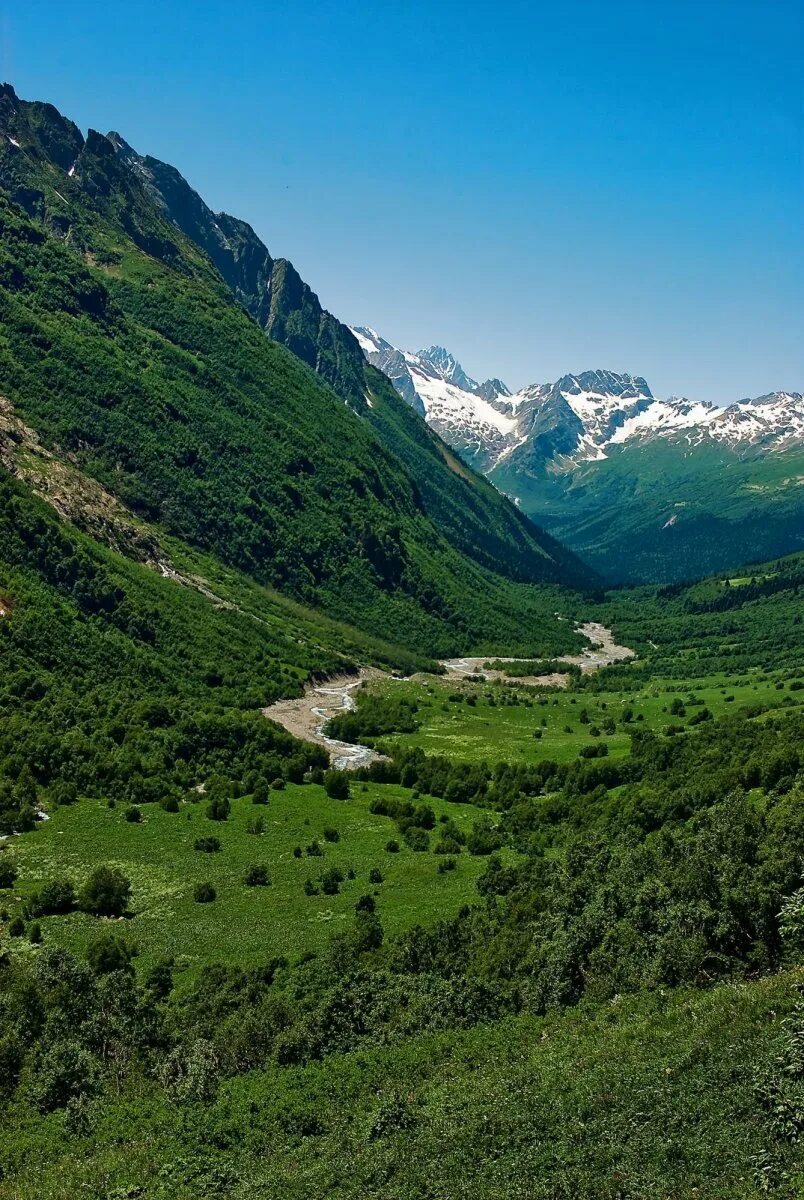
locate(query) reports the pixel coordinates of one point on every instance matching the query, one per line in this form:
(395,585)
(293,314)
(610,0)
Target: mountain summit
(715,485)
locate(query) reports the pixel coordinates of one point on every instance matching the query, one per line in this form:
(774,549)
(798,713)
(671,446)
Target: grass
(505,733)
(244,925)
(649,1096)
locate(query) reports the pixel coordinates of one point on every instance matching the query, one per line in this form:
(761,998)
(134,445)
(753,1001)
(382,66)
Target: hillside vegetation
(124,349)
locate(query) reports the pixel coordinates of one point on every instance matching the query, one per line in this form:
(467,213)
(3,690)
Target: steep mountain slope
(125,350)
(470,513)
(641,488)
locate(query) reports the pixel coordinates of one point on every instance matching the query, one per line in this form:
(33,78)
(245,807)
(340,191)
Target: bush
(8,871)
(331,835)
(133,815)
(204,893)
(255,825)
(55,897)
(219,808)
(106,893)
(375,875)
(261,793)
(314,850)
(207,845)
(64,1071)
(392,847)
(35,933)
(16,927)
(256,876)
(331,881)
(446,864)
(417,839)
(109,953)
(170,804)
(336,785)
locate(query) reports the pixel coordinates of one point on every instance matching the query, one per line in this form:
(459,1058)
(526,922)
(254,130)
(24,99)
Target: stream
(307,716)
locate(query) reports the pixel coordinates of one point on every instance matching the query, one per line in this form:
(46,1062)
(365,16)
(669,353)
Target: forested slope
(124,348)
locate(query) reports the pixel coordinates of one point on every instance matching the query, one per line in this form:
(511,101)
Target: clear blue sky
(541,187)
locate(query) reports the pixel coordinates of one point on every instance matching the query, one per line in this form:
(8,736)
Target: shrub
(16,927)
(297,851)
(109,953)
(261,793)
(310,888)
(56,896)
(417,839)
(35,933)
(169,804)
(133,815)
(255,825)
(207,845)
(446,864)
(256,876)
(331,881)
(106,893)
(278,784)
(375,875)
(331,835)
(8,871)
(204,893)
(336,785)
(219,808)
(314,850)
(64,1071)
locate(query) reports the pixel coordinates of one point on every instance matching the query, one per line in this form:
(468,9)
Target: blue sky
(541,187)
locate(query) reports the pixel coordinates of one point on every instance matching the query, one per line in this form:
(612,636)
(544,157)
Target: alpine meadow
(401,775)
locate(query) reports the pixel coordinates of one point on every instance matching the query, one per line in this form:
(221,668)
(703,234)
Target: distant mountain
(643,488)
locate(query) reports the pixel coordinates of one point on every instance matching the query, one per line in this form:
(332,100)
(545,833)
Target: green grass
(649,1097)
(245,925)
(501,733)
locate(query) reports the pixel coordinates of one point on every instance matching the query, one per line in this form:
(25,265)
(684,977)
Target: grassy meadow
(498,723)
(244,925)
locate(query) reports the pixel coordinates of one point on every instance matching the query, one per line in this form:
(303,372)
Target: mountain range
(643,488)
(155,353)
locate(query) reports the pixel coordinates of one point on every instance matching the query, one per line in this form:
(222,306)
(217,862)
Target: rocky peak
(447,367)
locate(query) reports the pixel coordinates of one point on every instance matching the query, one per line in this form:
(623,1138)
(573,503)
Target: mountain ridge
(609,468)
(127,352)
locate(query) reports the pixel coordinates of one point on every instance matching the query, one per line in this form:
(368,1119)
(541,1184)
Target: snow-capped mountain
(644,489)
(475,418)
(579,418)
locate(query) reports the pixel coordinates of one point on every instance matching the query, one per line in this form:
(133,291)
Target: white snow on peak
(368,339)
(597,410)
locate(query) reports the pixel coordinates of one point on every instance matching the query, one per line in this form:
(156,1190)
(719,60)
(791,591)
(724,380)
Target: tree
(109,953)
(219,808)
(336,785)
(261,794)
(56,896)
(368,931)
(64,1071)
(106,893)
